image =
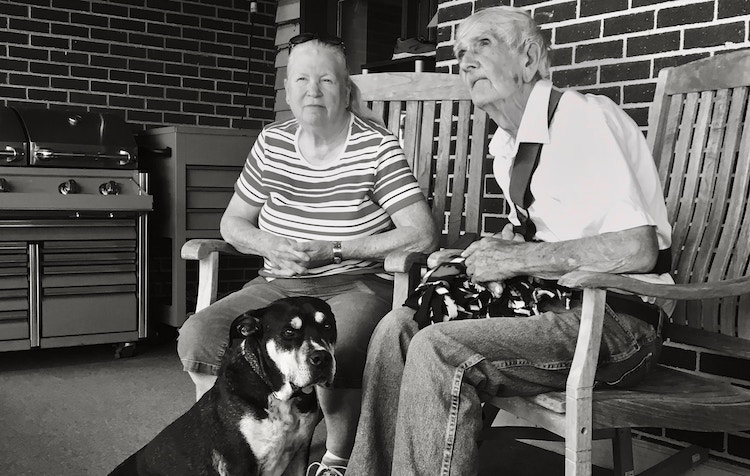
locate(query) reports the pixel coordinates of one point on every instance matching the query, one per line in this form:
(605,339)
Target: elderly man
(596,204)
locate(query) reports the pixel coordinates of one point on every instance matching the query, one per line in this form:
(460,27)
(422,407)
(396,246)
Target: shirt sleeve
(600,185)
(395,186)
(249,185)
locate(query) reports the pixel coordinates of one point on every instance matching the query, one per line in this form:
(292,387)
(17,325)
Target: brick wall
(616,48)
(155,62)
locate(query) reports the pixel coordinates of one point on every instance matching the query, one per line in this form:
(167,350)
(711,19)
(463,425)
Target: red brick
(482,4)
(733,8)
(88,98)
(649,44)
(444,53)
(561,56)
(28,80)
(47,95)
(628,23)
(444,33)
(685,14)
(69,30)
(555,13)
(49,14)
(106,8)
(28,25)
(84,72)
(90,20)
(8,92)
(10,37)
(575,77)
(715,35)
(455,12)
(49,69)
(626,71)
(638,92)
(15,10)
(596,7)
(20,52)
(80,5)
(597,51)
(577,32)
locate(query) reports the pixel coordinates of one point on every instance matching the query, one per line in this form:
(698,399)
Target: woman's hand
(292,258)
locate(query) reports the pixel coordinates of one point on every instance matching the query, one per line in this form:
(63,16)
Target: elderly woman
(596,205)
(323,197)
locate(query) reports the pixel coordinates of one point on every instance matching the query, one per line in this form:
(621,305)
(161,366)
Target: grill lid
(78,139)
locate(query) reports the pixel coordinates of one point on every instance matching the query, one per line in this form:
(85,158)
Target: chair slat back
(432,115)
(699,132)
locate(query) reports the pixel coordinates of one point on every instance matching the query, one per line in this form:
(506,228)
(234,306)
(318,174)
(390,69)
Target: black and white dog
(259,417)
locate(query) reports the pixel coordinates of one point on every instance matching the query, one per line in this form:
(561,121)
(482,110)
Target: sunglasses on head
(325,39)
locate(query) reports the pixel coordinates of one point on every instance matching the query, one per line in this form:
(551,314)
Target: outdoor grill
(73,208)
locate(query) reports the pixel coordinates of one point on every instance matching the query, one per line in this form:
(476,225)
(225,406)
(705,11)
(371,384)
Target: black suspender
(524,165)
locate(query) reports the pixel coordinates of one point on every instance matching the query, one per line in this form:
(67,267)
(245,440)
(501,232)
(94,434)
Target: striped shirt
(349,198)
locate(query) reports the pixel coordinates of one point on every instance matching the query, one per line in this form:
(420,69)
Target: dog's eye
(327,325)
(289,333)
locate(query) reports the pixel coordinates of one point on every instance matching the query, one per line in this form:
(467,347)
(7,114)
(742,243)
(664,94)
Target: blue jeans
(421,410)
(358,302)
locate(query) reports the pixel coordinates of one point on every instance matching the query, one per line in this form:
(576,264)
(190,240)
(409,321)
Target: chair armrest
(198,249)
(206,252)
(716,289)
(441,256)
(402,261)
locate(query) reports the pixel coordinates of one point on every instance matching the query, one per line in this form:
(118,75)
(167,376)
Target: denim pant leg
(448,364)
(373,447)
(204,336)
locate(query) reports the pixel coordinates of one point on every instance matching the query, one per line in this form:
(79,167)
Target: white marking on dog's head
(319,317)
(296,323)
(295,367)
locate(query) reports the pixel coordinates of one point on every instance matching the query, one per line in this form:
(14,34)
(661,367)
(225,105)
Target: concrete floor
(78,411)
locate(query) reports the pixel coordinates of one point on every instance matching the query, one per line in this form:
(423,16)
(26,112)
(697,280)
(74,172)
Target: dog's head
(297,337)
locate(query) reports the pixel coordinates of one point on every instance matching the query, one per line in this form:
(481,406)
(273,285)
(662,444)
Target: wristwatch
(337,254)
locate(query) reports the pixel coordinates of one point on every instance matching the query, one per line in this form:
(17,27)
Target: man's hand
(490,261)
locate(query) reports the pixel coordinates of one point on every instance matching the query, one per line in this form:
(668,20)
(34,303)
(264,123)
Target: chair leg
(622,452)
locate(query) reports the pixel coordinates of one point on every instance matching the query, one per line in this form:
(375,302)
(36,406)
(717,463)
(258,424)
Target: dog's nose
(319,358)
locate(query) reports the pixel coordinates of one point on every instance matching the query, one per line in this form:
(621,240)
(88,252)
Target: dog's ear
(246,325)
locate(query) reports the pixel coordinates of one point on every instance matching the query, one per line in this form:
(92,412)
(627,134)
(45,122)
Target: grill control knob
(109,188)
(4,187)
(69,187)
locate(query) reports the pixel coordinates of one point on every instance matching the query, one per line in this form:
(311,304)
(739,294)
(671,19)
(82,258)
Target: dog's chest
(275,439)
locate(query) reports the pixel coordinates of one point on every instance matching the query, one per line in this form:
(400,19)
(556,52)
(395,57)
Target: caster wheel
(125,350)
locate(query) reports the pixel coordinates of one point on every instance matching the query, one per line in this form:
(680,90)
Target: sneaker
(325,470)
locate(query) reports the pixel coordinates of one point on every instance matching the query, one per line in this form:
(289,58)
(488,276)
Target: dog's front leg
(298,464)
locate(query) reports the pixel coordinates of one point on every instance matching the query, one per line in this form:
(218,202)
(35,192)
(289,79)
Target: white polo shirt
(595,174)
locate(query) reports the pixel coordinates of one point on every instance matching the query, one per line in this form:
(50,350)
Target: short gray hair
(513,26)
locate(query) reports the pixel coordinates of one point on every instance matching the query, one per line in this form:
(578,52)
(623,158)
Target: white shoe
(325,470)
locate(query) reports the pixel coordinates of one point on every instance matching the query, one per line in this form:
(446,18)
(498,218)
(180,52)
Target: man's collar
(534,126)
